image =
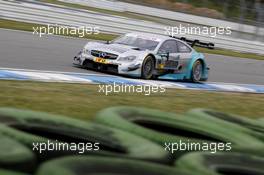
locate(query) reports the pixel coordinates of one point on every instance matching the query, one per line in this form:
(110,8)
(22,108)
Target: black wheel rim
(148,68)
(197,71)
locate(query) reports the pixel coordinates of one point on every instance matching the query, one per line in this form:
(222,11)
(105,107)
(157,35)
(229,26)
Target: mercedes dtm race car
(147,56)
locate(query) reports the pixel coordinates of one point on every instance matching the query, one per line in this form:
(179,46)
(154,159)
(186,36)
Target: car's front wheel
(197,71)
(147,68)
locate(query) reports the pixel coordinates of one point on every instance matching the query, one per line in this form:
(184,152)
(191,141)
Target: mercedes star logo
(103,54)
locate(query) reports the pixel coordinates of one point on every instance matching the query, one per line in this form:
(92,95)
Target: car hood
(118,49)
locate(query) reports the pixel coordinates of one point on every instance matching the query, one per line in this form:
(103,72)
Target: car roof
(150,35)
(156,37)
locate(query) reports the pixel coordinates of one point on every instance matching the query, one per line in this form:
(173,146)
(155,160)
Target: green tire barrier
(221,164)
(30,127)
(163,127)
(7,172)
(261,121)
(252,124)
(28,139)
(256,127)
(15,156)
(88,165)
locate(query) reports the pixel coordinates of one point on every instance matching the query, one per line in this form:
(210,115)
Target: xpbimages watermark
(126,88)
(80,148)
(80,31)
(212,147)
(197,30)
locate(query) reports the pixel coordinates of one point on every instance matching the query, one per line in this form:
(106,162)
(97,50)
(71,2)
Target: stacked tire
(221,163)
(196,126)
(132,141)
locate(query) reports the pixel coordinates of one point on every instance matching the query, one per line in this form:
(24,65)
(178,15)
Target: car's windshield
(135,41)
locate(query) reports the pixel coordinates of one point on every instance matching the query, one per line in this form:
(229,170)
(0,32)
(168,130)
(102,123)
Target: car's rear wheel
(147,68)
(197,71)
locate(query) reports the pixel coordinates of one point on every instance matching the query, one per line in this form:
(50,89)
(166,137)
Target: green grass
(9,24)
(83,100)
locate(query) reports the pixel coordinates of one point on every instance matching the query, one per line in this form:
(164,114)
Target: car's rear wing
(196,42)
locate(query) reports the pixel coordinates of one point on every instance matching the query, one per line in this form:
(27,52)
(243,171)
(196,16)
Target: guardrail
(43,14)
(167,14)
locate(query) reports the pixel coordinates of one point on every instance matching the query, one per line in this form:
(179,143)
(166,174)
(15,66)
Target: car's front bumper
(112,66)
(77,60)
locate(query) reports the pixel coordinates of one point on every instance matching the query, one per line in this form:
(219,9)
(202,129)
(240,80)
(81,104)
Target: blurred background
(245,17)
(243,12)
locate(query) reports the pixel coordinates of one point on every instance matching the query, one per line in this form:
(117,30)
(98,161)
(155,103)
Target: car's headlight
(128,58)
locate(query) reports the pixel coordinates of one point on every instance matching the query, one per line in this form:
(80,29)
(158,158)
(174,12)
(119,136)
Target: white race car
(146,56)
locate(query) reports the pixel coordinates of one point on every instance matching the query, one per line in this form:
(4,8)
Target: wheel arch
(197,57)
(203,63)
(152,55)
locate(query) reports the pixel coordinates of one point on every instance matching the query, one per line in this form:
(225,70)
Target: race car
(146,56)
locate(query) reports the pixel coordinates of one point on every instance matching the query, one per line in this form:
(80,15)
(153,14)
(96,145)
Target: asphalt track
(24,50)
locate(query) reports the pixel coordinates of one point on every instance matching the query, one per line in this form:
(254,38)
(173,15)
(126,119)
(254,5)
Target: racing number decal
(101,60)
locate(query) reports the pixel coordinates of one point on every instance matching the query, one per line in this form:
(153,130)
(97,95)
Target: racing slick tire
(162,127)
(89,165)
(36,127)
(197,71)
(147,67)
(221,163)
(85,64)
(251,124)
(15,156)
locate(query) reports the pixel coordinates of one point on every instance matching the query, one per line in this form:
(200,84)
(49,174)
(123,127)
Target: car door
(185,54)
(170,48)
